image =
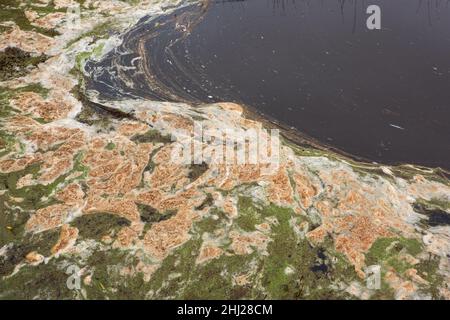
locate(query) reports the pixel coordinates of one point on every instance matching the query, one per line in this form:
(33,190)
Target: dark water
(433,216)
(383,95)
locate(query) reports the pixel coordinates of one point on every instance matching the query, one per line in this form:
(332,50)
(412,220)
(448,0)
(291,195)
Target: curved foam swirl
(379,95)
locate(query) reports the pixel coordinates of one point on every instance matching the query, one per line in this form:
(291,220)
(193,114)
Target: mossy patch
(387,250)
(248,214)
(110,146)
(151,215)
(7,94)
(151,136)
(32,196)
(90,114)
(428,270)
(423,205)
(216,220)
(100,31)
(45,281)
(12,222)
(214,279)
(181,261)
(14,63)
(78,166)
(197,170)
(293,269)
(179,277)
(384,249)
(107,282)
(437,211)
(7,143)
(208,202)
(41,242)
(97,225)
(10,10)
(296,270)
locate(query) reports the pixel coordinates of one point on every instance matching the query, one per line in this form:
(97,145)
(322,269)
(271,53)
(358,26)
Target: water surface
(313,65)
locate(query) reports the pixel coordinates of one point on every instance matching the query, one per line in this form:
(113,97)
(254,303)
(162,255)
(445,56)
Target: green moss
(97,225)
(20,247)
(248,214)
(14,63)
(210,224)
(385,292)
(12,221)
(312,269)
(110,146)
(7,94)
(78,166)
(151,136)
(107,282)
(307,151)
(81,58)
(90,115)
(387,249)
(41,120)
(385,252)
(132,2)
(10,10)
(214,279)
(7,142)
(148,168)
(181,261)
(436,212)
(15,214)
(98,32)
(284,252)
(197,170)
(45,281)
(150,215)
(31,195)
(180,277)
(432,204)
(428,270)
(208,202)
